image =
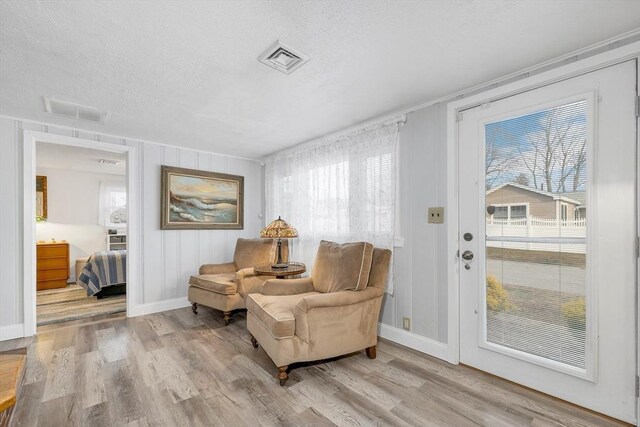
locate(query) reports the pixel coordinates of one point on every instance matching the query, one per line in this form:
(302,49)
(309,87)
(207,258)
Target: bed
(105,273)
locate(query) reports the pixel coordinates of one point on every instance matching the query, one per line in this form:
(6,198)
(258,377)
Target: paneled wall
(168,257)
(420,265)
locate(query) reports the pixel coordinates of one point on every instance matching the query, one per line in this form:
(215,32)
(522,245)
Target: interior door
(547,239)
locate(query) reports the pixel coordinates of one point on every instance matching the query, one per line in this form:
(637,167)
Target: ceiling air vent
(283,58)
(74,111)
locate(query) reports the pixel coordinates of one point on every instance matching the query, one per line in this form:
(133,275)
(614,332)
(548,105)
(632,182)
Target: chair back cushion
(342,267)
(380,265)
(254,252)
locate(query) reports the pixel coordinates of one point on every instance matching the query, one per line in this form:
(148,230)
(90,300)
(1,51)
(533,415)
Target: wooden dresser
(53,265)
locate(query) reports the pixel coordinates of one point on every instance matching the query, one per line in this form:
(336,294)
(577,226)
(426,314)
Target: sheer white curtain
(113,204)
(341,189)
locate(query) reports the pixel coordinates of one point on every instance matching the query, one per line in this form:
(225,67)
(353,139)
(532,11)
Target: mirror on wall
(41,198)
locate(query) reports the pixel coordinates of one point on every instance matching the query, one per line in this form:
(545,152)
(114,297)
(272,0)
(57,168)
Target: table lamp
(279,229)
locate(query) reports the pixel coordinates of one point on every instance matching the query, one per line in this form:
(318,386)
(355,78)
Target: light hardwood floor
(174,368)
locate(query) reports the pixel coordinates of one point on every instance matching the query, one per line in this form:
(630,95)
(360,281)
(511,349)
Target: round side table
(292,269)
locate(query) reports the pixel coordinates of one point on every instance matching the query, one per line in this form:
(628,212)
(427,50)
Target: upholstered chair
(331,313)
(225,286)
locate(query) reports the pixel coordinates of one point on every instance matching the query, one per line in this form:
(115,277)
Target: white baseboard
(10,332)
(156,307)
(417,342)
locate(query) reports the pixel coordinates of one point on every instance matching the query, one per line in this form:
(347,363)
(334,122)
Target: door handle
(467,256)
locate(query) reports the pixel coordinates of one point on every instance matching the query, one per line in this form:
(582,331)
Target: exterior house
(513,201)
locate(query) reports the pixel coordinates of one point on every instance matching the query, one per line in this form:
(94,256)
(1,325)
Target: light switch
(436,215)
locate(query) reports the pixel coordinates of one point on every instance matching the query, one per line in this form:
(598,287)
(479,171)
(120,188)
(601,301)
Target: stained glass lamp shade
(279,229)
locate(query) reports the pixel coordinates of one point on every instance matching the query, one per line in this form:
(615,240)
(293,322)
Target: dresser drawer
(52,251)
(51,284)
(53,274)
(49,263)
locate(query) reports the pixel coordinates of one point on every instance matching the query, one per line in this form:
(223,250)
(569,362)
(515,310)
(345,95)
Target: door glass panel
(536,217)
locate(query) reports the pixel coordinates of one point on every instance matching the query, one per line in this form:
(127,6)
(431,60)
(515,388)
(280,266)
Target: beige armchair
(331,313)
(225,286)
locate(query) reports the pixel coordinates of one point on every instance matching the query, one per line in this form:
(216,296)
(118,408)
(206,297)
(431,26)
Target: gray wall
(420,265)
(168,257)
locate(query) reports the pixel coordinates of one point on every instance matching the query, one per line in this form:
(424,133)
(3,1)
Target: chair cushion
(219,283)
(254,252)
(275,312)
(342,267)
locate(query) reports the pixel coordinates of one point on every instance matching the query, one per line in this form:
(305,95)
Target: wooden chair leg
(282,374)
(254,342)
(371,352)
(227,317)
(194,307)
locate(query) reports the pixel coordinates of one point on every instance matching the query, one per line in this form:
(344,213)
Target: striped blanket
(104,269)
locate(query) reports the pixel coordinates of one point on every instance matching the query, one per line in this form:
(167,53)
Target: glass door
(547,228)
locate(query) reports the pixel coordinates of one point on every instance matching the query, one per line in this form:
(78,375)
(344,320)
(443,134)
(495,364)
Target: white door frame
(29,216)
(454,110)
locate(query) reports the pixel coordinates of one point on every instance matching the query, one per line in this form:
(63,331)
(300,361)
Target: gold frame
(167,224)
(41,186)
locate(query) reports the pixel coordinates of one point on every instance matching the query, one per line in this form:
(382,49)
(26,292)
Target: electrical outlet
(436,215)
(406,323)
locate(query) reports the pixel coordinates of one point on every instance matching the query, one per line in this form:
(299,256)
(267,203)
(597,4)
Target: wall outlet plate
(436,215)
(406,323)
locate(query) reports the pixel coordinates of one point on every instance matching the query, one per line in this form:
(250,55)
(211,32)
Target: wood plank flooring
(177,369)
(72,303)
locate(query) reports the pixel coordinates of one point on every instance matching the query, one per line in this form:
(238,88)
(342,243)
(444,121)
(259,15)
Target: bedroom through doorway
(80,233)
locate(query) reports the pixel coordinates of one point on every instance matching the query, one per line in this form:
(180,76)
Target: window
(518,212)
(113,204)
(343,189)
(563,211)
(502,212)
(511,212)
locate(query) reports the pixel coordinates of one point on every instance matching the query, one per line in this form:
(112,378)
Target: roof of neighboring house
(580,196)
(555,196)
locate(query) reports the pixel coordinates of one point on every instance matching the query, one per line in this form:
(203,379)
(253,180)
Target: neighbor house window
(113,204)
(563,211)
(510,212)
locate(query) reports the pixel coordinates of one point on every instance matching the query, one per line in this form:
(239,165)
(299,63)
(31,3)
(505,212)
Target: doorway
(67,247)
(547,231)
(81,220)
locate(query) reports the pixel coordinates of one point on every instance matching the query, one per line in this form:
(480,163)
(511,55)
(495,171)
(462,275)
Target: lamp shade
(279,228)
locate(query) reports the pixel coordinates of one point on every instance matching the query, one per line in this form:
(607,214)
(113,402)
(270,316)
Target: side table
(292,269)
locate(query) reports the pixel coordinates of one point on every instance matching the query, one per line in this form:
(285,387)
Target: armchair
(331,313)
(225,286)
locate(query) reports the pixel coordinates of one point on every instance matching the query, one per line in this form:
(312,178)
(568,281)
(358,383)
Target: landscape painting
(193,199)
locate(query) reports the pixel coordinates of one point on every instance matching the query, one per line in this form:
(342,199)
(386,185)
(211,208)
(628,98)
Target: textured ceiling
(67,157)
(186,72)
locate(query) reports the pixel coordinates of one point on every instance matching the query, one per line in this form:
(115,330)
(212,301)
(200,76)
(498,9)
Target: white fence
(539,234)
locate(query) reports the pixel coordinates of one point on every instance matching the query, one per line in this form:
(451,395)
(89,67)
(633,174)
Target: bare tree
(522,179)
(499,158)
(556,153)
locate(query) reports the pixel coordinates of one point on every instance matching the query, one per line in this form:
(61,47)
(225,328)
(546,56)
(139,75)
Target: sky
(512,143)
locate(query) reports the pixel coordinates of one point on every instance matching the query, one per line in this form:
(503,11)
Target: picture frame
(200,200)
(41,198)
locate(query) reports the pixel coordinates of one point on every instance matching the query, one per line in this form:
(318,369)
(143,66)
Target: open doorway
(89,226)
(81,234)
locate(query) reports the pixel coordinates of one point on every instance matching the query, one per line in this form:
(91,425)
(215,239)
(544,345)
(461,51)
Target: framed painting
(41,198)
(196,200)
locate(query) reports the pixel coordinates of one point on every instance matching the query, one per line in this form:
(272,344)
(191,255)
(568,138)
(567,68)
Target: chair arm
(287,286)
(228,267)
(337,299)
(245,272)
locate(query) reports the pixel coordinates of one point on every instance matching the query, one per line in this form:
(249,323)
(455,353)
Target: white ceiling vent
(74,111)
(283,58)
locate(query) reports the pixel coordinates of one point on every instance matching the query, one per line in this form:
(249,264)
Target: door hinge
(637,386)
(637,246)
(459,116)
(637,106)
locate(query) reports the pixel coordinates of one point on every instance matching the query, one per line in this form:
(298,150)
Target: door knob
(467,255)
